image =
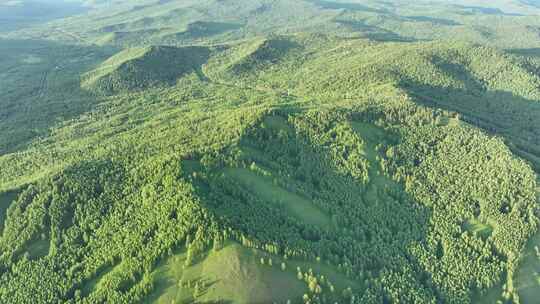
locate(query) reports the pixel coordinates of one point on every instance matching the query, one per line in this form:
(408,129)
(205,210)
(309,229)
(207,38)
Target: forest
(270,151)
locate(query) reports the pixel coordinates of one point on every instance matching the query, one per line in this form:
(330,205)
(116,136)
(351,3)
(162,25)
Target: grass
(478,228)
(264,187)
(372,136)
(237,276)
(339,280)
(166,278)
(111,276)
(232,274)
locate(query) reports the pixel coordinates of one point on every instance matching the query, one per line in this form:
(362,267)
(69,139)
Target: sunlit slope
(227,273)
(356,170)
(363,192)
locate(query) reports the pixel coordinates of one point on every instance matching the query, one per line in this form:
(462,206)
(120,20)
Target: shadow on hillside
(501,113)
(531,61)
(157,67)
(533,52)
(433,20)
(348,6)
(129,38)
(6,199)
(374,33)
(382,215)
(381,11)
(199,30)
(269,52)
(144,23)
(474,10)
(41,87)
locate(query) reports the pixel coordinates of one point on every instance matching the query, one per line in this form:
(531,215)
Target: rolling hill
(140,68)
(272,151)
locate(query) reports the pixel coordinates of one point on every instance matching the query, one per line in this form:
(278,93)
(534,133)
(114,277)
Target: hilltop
(145,67)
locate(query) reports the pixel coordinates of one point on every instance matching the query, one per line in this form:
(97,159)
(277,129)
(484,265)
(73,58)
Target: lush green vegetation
(272,151)
(141,68)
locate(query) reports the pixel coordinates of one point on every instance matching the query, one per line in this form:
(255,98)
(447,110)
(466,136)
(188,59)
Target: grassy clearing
(235,275)
(478,228)
(248,280)
(190,166)
(527,279)
(113,276)
(167,278)
(339,280)
(277,123)
(232,274)
(373,136)
(263,186)
(38,248)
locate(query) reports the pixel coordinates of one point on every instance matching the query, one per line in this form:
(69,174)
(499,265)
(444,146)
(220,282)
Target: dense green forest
(270,151)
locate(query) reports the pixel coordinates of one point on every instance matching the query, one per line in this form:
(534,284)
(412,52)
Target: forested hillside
(271,151)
